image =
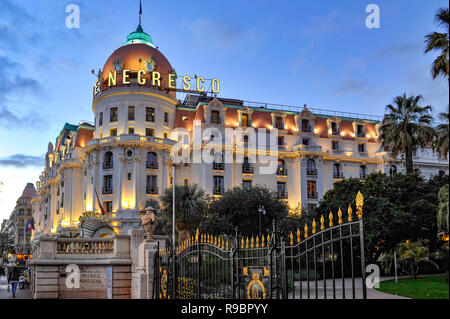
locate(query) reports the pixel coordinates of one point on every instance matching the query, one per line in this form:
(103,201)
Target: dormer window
(305,126)
(279,123)
(334,128)
(215,117)
(245,121)
(360,131)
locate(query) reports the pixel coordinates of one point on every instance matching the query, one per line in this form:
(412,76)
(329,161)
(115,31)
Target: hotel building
(124,159)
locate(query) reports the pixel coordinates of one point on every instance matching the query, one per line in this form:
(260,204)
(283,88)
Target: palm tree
(406,127)
(439,42)
(412,255)
(190,206)
(442,215)
(440,144)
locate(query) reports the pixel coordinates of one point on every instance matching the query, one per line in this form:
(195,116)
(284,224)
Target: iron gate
(312,263)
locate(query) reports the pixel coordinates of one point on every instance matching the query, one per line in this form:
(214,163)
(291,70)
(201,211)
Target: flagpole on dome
(140,11)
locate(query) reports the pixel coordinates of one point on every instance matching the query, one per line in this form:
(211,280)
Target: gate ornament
(359,204)
(340,216)
(256,288)
(350,212)
(314,226)
(330,217)
(306,231)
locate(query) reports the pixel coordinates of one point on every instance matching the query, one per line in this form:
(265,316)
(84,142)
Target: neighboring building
(123,160)
(19,219)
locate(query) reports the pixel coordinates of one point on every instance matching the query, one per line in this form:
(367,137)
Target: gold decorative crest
(256,289)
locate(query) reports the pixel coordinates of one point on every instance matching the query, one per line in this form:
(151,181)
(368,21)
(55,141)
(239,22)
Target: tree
(406,127)
(412,255)
(439,42)
(396,208)
(440,144)
(442,215)
(191,204)
(238,207)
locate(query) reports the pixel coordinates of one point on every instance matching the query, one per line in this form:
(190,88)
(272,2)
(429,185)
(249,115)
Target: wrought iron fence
(310,264)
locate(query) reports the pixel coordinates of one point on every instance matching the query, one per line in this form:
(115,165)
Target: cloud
(221,34)
(22,160)
(320,25)
(350,85)
(15,85)
(399,50)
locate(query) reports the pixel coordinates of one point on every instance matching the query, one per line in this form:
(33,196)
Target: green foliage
(163,227)
(413,252)
(191,204)
(238,207)
(396,208)
(439,42)
(442,215)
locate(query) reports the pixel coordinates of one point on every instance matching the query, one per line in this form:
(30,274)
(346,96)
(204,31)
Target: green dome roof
(139,36)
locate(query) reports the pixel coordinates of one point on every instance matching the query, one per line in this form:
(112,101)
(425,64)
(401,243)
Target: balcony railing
(152,190)
(216,120)
(107,190)
(218,166)
(312,195)
(107,165)
(152,165)
(306,129)
(338,175)
(361,134)
(247,169)
(282,172)
(311,172)
(282,195)
(218,191)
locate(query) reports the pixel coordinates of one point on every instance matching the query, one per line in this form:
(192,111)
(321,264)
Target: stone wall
(104,266)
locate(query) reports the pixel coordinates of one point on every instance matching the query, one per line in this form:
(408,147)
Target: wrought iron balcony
(361,134)
(282,195)
(247,169)
(336,132)
(151,190)
(306,129)
(216,120)
(152,165)
(311,172)
(107,190)
(218,191)
(282,172)
(362,176)
(312,195)
(338,175)
(218,166)
(108,165)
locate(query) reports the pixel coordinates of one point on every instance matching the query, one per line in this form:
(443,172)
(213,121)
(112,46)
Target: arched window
(311,167)
(281,170)
(363,171)
(393,170)
(152,160)
(337,171)
(108,160)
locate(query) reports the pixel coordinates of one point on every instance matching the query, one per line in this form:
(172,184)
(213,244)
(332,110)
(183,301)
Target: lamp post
(261,211)
(173,208)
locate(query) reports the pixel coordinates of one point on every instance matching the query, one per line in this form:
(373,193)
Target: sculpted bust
(149,221)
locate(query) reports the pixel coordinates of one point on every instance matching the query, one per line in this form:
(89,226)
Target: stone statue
(149,221)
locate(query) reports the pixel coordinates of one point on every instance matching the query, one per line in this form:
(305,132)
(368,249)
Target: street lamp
(261,211)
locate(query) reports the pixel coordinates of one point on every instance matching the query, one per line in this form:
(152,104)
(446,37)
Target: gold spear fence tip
(252,243)
(291,237)
(197,235)
(306,231)
(322,222)
(340,216)
(350,212)
(359,204)
(314,226)
(246,246)
(298,235)
(257,241)
(262,241)
(330,217)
